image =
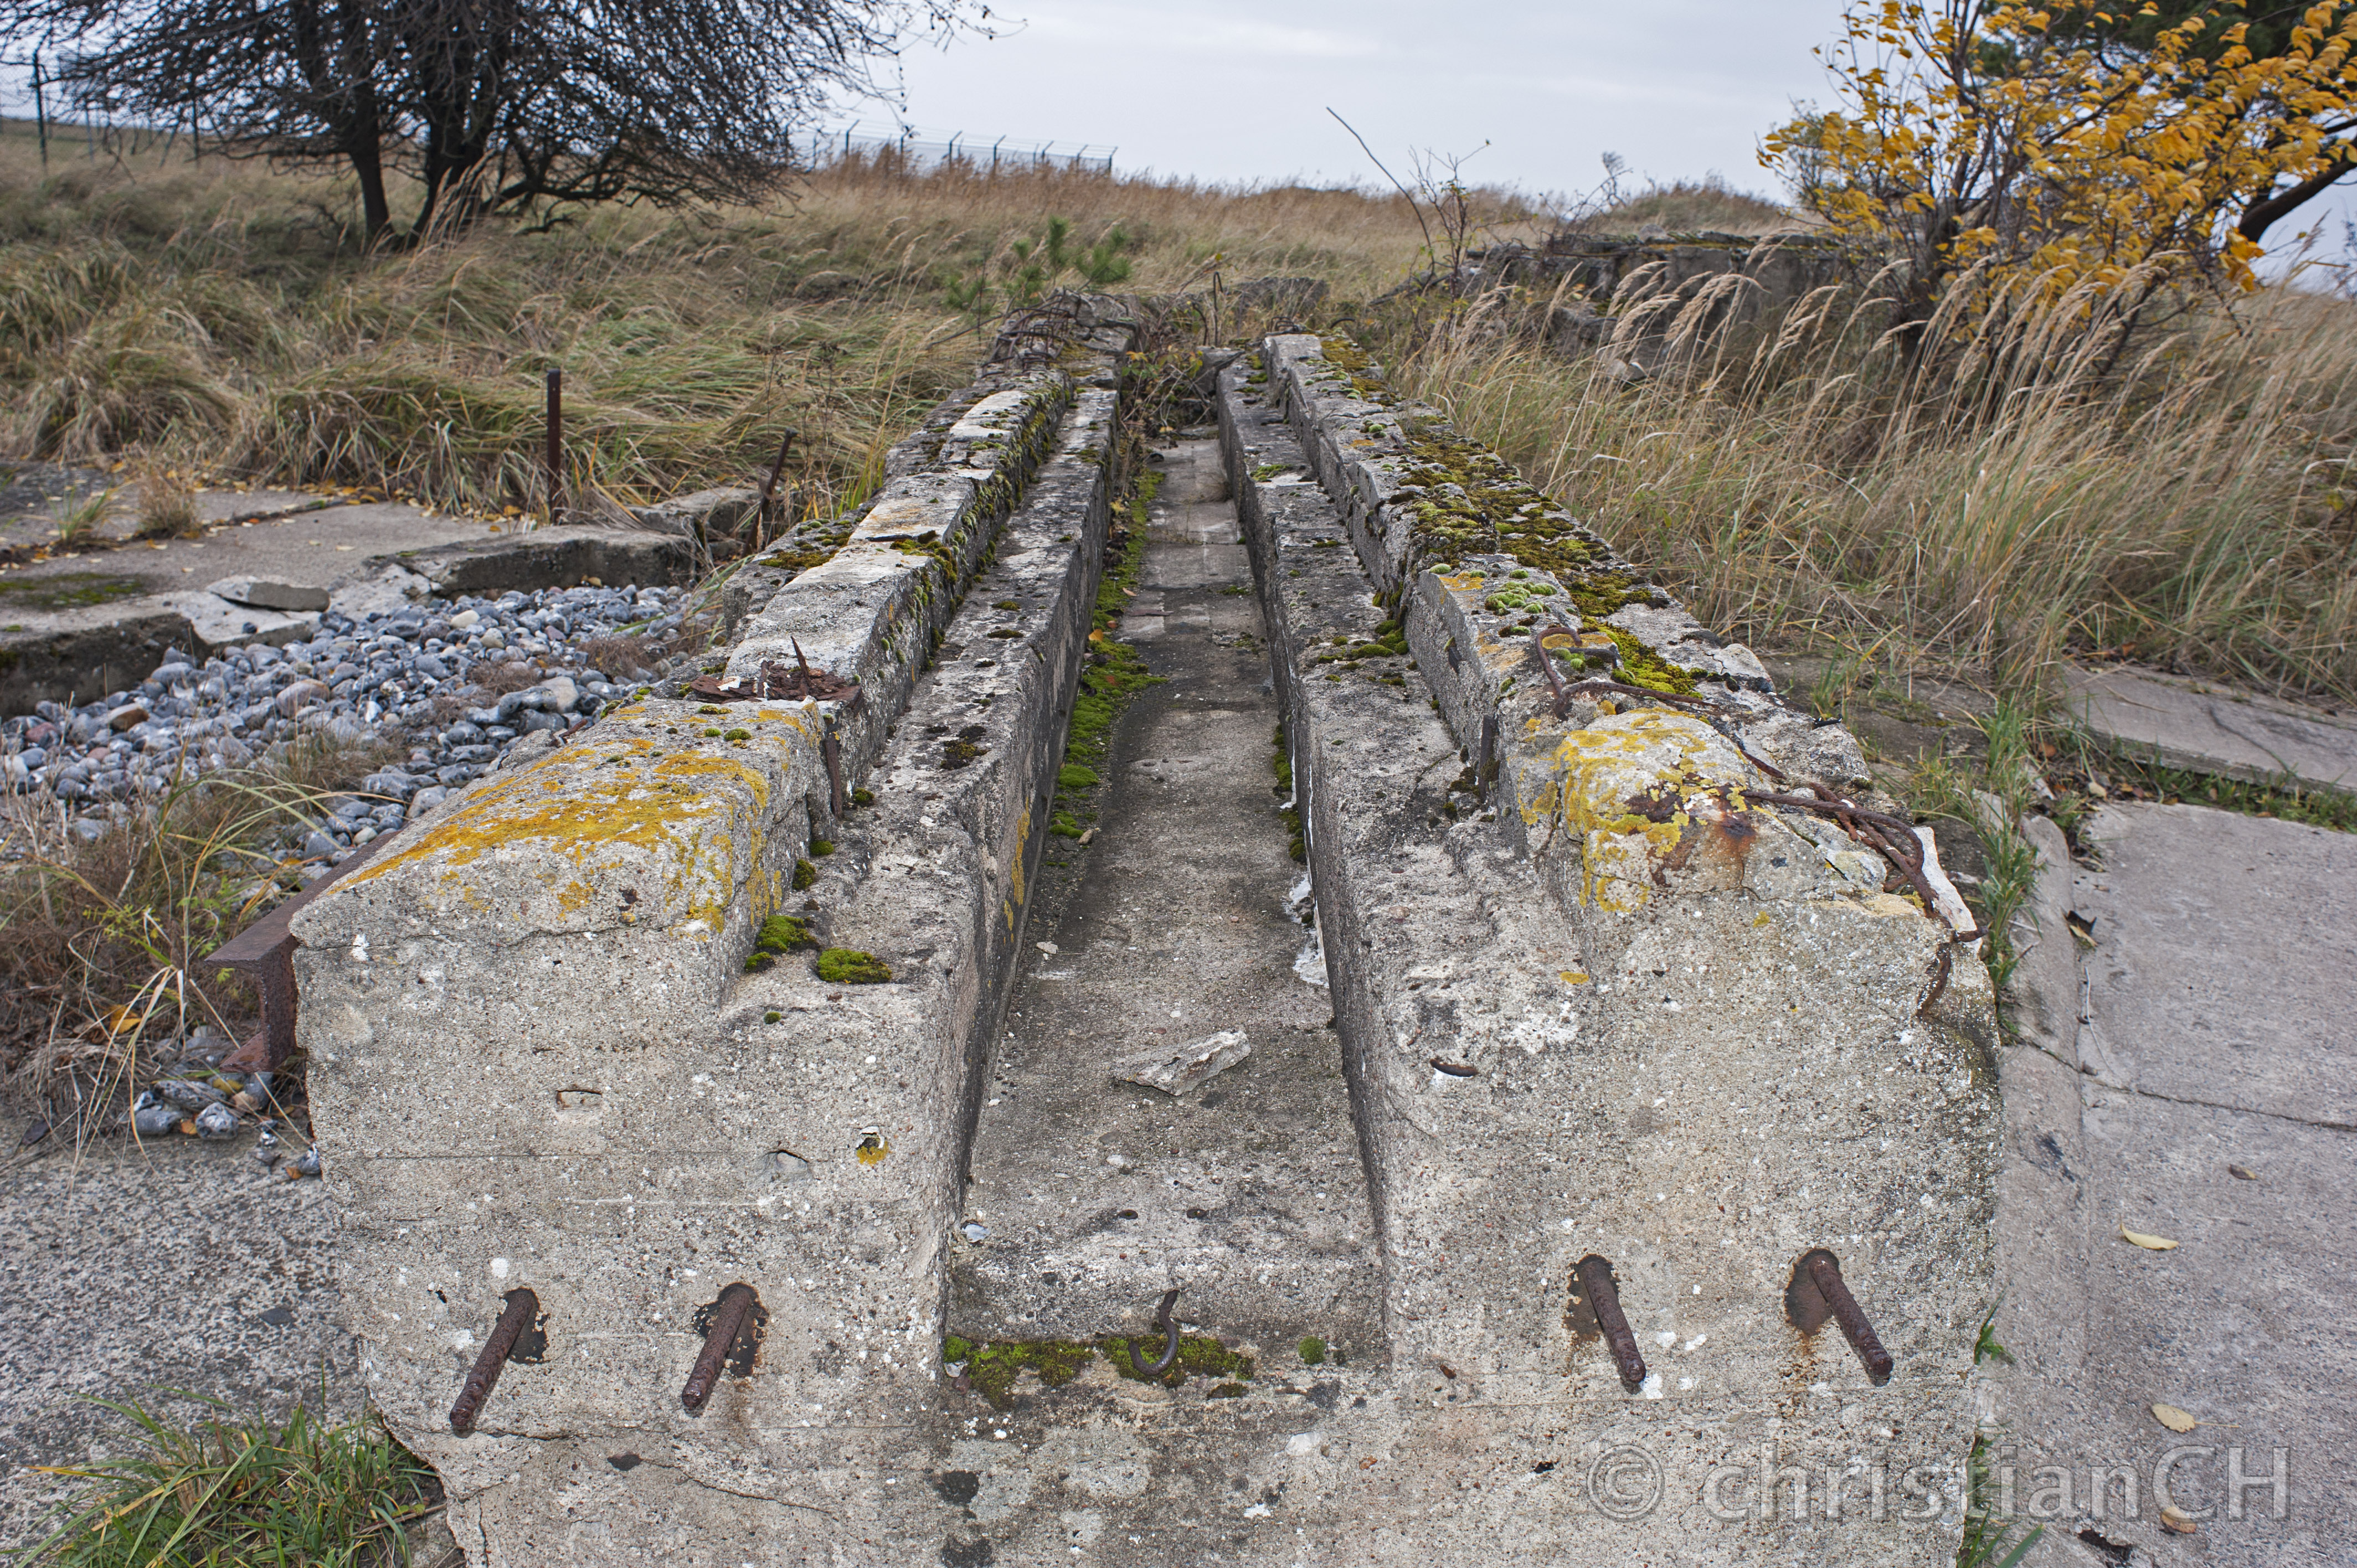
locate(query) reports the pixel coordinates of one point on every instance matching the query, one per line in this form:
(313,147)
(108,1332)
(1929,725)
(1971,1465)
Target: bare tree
(491,103)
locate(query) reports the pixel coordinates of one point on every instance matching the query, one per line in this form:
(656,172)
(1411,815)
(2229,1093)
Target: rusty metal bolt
(1594,1277)
(1821,1270)
(523,1308)
(735,1304)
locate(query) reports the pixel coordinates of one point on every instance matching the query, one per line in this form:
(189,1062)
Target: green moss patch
(848,966)
(1200,1356)
(779,934)
(992,1371)
(1641,666)
(1313,1351)
(804,874)
(69,590)
(1467,500)
(1073,776)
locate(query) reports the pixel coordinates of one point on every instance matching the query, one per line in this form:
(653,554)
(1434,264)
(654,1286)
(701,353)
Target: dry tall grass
(105,940)
(212,312)
(2170,481)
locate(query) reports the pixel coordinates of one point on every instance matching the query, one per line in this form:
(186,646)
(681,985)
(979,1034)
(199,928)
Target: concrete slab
(1248,1194)
(311,549)
(88,621)
(2208,728)
(2225,950)
(2213,1111)
(126,1272)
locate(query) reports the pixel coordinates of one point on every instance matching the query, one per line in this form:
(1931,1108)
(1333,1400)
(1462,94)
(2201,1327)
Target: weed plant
(107,939)
(234,1496)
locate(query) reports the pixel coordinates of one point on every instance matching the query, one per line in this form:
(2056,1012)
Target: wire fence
(28,94)
(918,150)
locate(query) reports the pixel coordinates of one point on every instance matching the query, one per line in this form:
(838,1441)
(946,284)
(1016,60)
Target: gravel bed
(388,675)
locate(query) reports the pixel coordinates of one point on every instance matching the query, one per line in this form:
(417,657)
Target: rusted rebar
(523,1308)
(1169,1340)
(728,1322)
(1594,1277)
(1824,1270)
(769,489)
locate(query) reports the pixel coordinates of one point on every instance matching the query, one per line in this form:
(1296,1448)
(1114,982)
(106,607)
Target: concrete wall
(538,1058)
(1625,290)
(1592,1001)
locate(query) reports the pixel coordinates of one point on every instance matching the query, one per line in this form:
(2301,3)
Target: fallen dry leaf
(2241,1173)
(2172,1520)
(2149,1243)
(2176,1420)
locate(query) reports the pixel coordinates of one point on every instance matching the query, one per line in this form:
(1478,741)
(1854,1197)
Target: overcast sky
(1237,91)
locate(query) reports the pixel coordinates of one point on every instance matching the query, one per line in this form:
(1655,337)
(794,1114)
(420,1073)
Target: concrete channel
(1618,1162)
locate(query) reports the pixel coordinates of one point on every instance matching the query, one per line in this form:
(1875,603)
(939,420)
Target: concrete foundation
(672,1008)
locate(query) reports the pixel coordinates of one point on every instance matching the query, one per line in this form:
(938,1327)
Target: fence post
(41,111)
(555,440)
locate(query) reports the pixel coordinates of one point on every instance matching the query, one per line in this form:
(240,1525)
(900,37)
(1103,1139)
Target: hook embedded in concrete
(1594,1277)
(1169,1340)
(1817,1292)
(523,1308)
(728,1315)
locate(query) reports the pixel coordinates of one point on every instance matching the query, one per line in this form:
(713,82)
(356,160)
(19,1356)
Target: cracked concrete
(2204,1098)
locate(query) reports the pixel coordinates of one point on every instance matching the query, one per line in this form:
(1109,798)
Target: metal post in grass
(555,440)
(41,112)
(769,488)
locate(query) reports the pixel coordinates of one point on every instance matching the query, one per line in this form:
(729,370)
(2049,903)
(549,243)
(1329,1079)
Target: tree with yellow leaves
(2056,147)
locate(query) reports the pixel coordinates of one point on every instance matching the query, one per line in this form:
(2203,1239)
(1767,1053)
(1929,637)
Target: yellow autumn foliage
(1985,136)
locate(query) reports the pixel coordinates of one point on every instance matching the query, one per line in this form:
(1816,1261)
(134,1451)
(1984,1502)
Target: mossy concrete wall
(546,1053)
(1593,999)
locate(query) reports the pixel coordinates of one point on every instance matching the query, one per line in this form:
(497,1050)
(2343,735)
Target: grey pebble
(189,1095)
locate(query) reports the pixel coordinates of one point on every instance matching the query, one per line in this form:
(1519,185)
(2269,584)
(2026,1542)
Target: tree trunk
(2267,211)
(367,166)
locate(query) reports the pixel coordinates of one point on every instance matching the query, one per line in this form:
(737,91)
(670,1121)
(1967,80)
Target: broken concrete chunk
(390,591)
(1175,1070)
(263,594)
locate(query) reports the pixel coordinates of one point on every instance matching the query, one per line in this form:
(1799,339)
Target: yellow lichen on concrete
(1613,778)
(1022,842)
(681,806)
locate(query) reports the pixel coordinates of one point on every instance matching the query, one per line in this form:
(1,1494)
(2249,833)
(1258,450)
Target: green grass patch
(2129,779)
(229,1494)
